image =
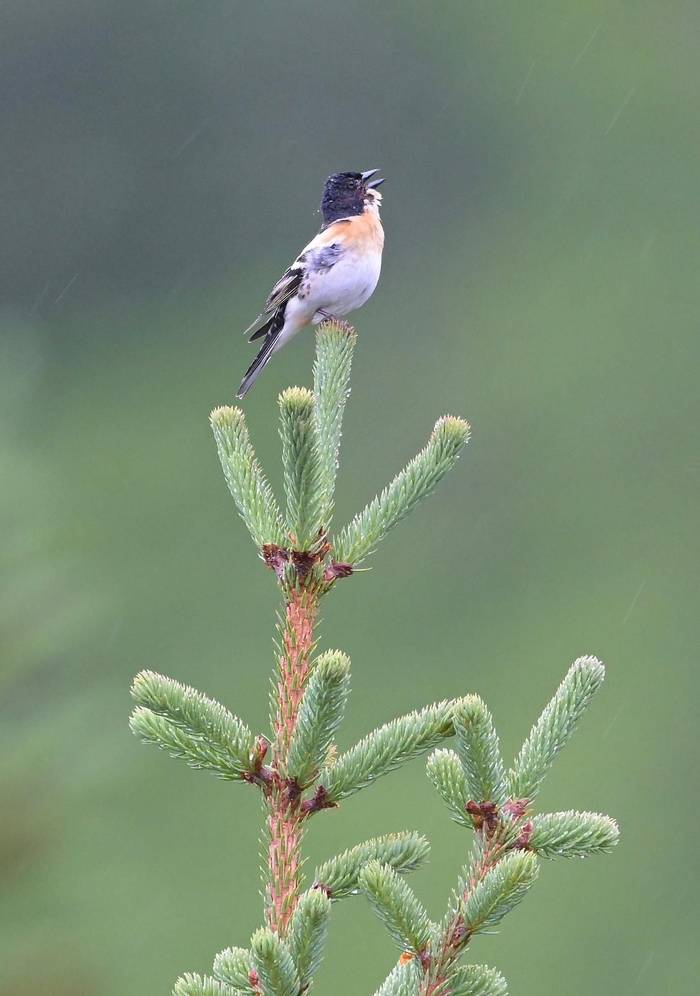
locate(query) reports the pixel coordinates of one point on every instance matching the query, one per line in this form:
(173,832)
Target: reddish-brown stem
(285,816)
(457,934)
(297,640)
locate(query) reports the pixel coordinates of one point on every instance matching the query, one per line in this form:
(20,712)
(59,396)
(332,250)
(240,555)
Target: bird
(333,275)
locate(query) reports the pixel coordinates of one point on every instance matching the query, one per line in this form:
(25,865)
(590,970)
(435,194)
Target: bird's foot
(326,316)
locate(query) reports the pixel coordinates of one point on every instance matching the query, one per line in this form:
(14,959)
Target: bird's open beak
(367,175)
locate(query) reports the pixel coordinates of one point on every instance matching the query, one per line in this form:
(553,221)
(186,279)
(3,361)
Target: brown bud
(318,801)
(483,814)
(303,562)
(459,934)
(337,570)
(320,887)
(276,558)
(254,980)
(523,841)
(262,745)
(516,807)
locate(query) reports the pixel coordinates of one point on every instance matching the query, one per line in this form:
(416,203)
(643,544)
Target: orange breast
(363,230)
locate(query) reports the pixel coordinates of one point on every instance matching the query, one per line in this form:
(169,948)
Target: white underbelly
(337,291)
(347,285)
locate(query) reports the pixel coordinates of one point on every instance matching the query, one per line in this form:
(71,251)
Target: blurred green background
(162,162)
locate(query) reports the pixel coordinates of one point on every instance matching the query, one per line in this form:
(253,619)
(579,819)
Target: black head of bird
(346,194)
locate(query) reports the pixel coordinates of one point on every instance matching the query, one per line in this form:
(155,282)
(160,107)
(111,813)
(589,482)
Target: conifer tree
(296,766)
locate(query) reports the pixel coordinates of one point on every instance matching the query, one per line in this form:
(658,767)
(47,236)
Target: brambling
(332,276)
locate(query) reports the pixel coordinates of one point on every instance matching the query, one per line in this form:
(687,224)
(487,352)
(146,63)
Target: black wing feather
(286,287)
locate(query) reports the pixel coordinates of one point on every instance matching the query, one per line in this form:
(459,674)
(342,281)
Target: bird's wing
(323,252)
(286,287)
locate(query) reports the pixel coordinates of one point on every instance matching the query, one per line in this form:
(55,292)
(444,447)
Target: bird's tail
(261,360)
